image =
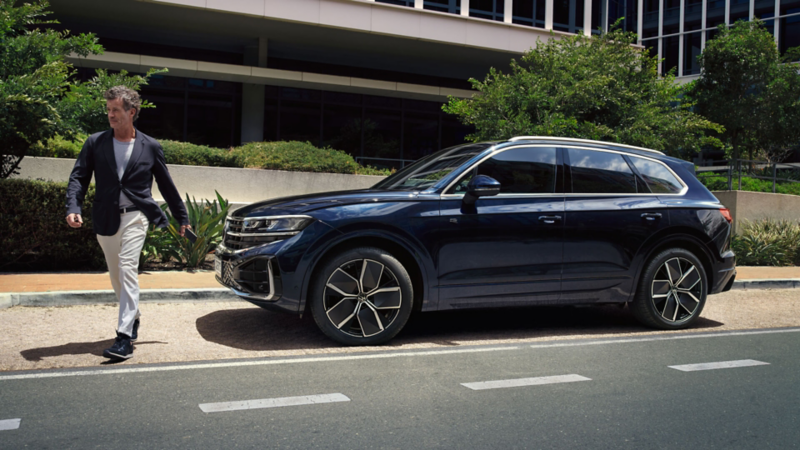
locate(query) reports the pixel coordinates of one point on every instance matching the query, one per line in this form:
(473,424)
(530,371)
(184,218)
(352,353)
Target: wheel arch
(391,244)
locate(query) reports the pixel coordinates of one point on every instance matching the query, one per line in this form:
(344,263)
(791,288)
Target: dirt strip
(58,337)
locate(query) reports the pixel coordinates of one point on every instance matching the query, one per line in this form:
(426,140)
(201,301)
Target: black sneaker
(121,350)
(135,334)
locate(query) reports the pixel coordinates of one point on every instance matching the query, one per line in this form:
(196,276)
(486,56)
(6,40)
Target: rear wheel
(672,291)
(361,296)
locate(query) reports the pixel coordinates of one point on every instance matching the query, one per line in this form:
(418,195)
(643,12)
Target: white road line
(9,424)
(268,362)
(719,365)
(273,402)
(498,384)
(663,338)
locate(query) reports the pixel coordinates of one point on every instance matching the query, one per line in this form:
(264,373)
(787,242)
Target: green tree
(600,87)
(39,96)
(744,86)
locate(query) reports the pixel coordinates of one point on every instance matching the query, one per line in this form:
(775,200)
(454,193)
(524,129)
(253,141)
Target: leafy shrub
(197,155)
(300,156)
(34,234)
(159,245)
(207,221)
(768,242)
(718,183)
(58,147)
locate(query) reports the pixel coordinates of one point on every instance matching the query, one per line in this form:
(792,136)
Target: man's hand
(75,221)
(184,228)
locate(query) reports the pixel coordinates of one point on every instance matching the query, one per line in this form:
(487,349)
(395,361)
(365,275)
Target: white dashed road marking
(719,365)
(273,402)
(498,384)
(10,424)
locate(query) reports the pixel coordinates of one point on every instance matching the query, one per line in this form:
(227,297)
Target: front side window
(658,178)
(595,172)
(525,170)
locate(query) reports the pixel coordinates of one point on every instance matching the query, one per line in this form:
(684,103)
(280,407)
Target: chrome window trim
(570,194)
(582,141)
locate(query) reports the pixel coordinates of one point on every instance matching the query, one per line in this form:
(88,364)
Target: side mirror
(481,186)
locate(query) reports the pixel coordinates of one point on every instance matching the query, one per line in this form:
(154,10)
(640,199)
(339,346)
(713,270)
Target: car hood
(303,204)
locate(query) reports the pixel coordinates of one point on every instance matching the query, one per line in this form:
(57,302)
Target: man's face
(117,116)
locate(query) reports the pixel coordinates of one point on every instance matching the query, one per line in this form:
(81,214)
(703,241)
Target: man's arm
(168,189)
(79,182)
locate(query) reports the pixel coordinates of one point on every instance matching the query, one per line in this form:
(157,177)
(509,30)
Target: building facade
(365,76)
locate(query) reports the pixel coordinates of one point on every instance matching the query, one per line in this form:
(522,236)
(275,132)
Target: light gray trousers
(122,252)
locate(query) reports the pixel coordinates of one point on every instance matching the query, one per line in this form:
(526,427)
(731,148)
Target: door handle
(549,219)
(651,217)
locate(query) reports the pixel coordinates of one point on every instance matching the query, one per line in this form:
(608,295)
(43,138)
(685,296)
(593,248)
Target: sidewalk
(61,289)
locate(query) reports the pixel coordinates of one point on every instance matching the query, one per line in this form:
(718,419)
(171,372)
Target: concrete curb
(70,298)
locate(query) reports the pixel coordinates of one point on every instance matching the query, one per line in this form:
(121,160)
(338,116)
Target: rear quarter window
(658,177)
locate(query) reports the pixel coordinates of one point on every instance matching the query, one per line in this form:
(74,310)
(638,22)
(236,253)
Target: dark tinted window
(519,171)
(658,178)
(596,172)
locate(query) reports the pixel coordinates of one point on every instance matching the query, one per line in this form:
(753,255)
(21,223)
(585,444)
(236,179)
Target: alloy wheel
(676,290)
(362,298)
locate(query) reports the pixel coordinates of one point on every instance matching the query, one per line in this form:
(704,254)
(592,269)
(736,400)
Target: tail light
(726,213)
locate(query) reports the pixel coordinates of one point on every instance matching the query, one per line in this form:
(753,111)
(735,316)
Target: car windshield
(427,171)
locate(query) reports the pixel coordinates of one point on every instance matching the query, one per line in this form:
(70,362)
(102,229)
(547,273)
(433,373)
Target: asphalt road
(612,393)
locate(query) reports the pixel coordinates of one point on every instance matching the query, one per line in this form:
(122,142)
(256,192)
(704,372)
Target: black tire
(672,292)
(351,306)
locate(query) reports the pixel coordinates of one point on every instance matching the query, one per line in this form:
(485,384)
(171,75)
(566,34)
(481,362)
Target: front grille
(255,276)
(235,239)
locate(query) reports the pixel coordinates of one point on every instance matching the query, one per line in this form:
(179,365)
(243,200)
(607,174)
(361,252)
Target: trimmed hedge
(750,184)
(283,155)
(34,234)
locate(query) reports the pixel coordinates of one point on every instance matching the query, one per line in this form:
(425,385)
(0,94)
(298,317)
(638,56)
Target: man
(124,161)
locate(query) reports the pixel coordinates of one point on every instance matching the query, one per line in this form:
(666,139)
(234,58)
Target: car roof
(584,142)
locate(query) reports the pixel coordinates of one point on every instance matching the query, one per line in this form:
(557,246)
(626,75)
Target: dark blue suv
(527,221)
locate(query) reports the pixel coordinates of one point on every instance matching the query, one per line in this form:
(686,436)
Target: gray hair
(130,98)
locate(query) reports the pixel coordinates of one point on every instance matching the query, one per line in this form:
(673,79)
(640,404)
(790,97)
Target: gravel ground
(75,336)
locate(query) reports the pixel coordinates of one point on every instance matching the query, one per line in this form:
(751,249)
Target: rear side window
(596,172)
(657,176)
(525,170)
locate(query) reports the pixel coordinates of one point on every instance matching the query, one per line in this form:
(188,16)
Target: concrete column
(253,95)
(418,4)
(587,17)
(465,8)
(508,11)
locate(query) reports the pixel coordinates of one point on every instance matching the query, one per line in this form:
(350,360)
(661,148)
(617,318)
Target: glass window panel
(770,26)
(270,119)
(454,132)
(658,178)
(161,80)
(420,135)
(715,13)
(519,171)
(290,93)
(600,173)
(421,105)
(382,135)
(672,15)
(165,121)
(568,15)
(790,7)
(652,46)
(597,15)
(487,9)
(300,121)
(650,21)
(623,8)
(789,33)
(691,50)
(692,15)
(210,119)
(448,6)
(764,9)
(529,12)
(341,128)
(383,102)
(671,49)
(409,3)
(342,98)
(740,10)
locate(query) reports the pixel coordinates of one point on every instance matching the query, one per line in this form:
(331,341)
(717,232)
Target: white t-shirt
(122,153)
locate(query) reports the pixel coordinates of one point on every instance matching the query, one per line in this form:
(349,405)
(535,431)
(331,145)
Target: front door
(505,250)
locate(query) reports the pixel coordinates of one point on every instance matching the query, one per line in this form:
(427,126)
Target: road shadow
(74,348)
(261,330)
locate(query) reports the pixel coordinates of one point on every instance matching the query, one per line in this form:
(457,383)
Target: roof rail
(582,141)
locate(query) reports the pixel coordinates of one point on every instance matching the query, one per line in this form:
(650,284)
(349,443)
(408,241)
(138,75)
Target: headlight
(275,224)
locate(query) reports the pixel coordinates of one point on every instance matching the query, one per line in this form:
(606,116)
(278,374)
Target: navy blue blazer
(147,161)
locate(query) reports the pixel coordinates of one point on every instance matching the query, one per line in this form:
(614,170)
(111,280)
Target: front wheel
(361,296)
(672,291)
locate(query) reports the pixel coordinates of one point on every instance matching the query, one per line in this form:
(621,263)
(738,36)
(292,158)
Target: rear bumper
(724,273)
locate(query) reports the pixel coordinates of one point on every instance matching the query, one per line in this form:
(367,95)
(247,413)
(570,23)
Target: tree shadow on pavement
(260,330)
(74,348)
